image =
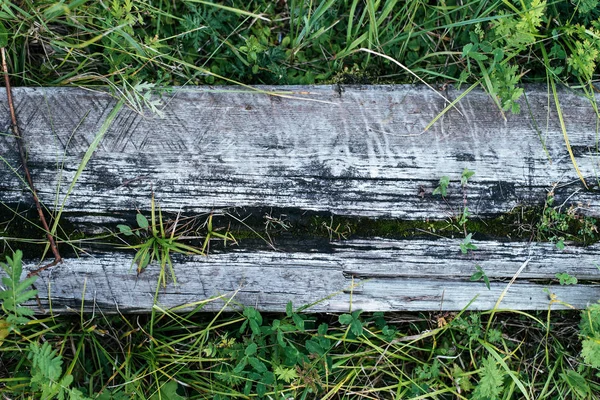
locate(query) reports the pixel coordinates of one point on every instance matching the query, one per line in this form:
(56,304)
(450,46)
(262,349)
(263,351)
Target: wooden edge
(268,280)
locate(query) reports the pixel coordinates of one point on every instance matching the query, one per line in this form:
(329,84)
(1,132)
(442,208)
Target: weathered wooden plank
(363,152)
(374,275)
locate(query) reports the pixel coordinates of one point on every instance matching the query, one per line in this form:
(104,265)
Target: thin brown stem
(19,139)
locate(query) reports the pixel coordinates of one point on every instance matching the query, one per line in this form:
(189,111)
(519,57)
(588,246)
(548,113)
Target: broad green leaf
(168,391)
(356,327)
(577,383)
(345,319)
(467,49)
(126,230)
(315,348)
(142,221)
(251,349)
(258,365)
(442,187)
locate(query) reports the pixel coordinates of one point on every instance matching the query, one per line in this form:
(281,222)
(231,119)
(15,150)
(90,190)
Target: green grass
(185,353)
(136,46)
(121,43)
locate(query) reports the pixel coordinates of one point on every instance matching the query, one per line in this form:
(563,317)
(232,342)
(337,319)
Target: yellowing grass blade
(564,131)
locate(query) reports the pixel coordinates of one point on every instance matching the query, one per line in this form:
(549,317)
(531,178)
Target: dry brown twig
(23,156)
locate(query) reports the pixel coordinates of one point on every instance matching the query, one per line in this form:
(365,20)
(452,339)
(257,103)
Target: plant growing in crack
(212,233)
(466,244)
(158,242)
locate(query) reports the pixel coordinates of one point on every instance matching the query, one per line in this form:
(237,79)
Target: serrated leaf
(356,327)
(298,321)
(240,366)
(254,327)
(345,319)
(280,340)
(261,389)
(466,175)
(251,349)
(590,351)
(16,320)
(16,291)
(27,282)
(286,374)
(314,347)
(322,329)
(258,365)
(46,363)
(478,56)
(442,187)
(491,380)
(467,49)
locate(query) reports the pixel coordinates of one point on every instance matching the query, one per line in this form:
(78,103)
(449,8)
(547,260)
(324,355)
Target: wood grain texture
(373,275)
(363,152)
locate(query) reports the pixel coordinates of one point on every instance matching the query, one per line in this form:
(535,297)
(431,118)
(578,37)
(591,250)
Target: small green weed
(557,226)
(16,292)
(467,245)
(158,243)
(47,376)
(480,274)
(442,188)
(590,332)
(566,279)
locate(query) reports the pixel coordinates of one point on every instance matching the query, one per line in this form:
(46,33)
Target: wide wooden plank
(374,275)
(362,151)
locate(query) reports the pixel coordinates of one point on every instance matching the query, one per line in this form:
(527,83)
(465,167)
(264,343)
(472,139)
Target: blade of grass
(563,127)
(86,158)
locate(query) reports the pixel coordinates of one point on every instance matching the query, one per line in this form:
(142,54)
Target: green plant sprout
(558,226)
(158,244)
(339,231)
(466,175)
(480,274)
(442,188)
(566,279)
(210,233)
(467,245)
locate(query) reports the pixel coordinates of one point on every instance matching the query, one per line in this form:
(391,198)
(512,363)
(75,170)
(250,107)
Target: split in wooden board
(363,152)
(372,275)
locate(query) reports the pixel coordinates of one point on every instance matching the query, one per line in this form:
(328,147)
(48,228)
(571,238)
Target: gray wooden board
(373,275)
(363,152)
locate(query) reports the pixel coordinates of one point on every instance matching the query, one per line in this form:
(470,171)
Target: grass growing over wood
(183,353)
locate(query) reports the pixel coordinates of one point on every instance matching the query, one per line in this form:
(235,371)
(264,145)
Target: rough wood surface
(361,151)
(373,275)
